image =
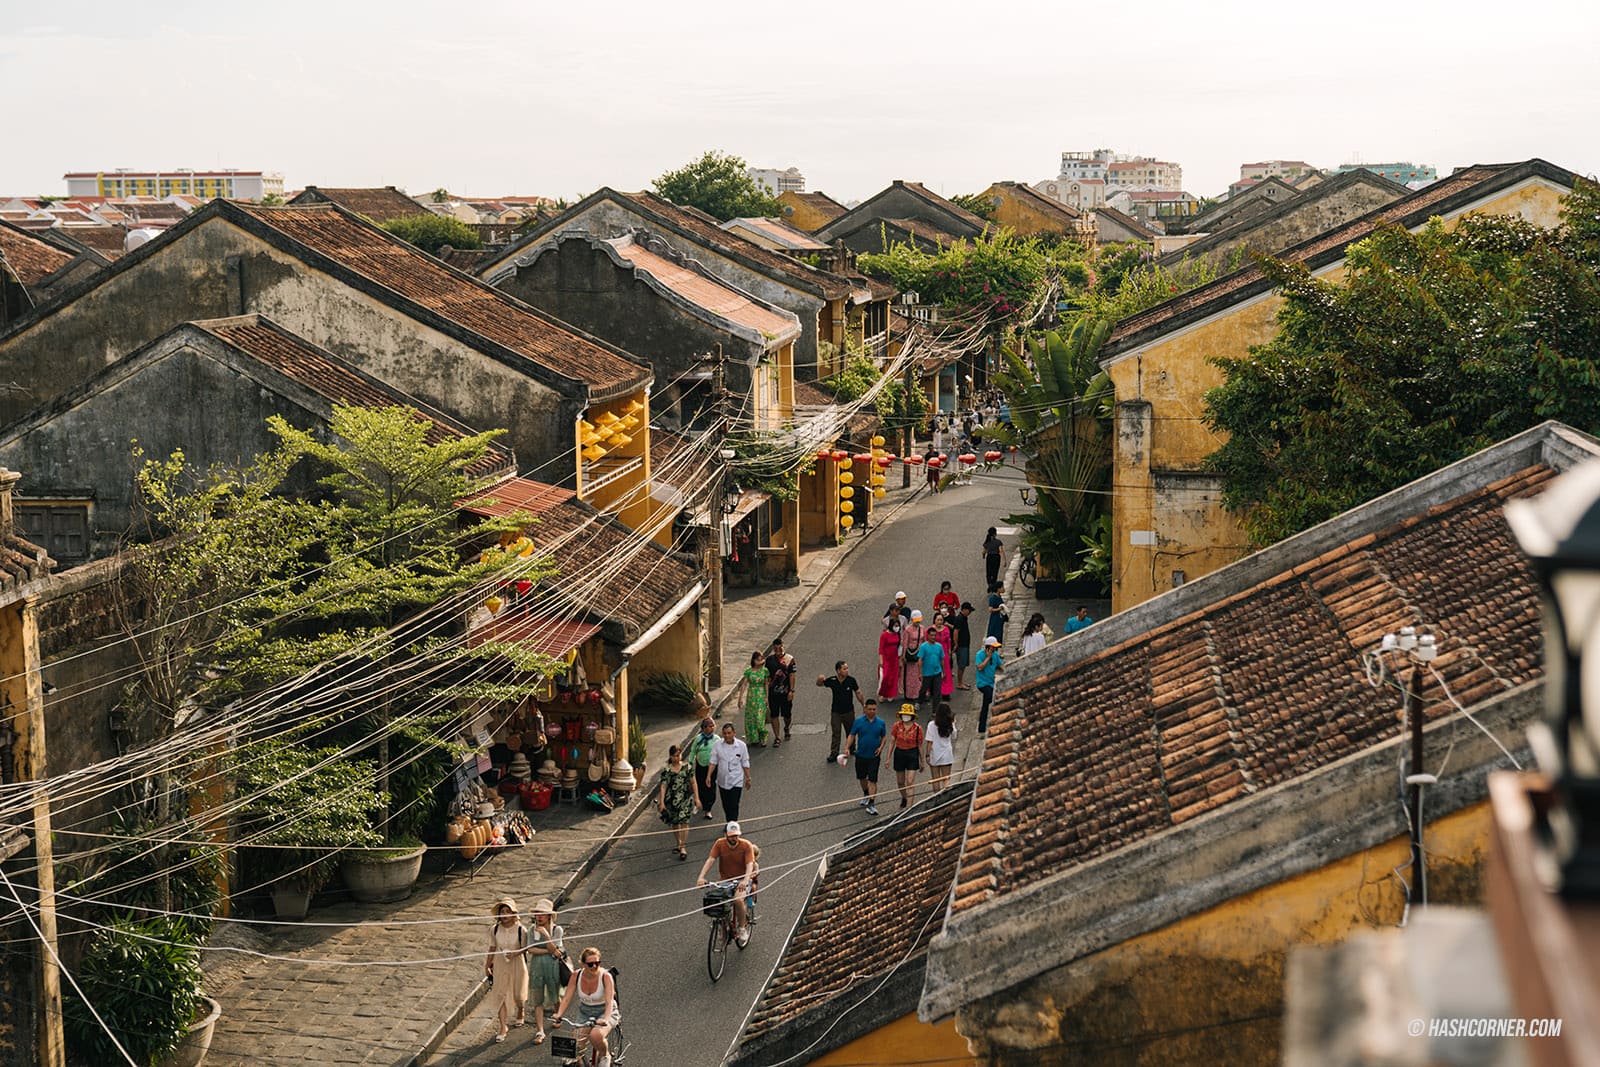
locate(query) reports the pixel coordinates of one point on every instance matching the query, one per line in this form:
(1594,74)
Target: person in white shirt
(939,746)
(730,765)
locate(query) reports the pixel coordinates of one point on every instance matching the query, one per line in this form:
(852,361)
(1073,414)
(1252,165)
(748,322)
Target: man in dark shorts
(780,689)
(867,735)
(842,715)
(963,650)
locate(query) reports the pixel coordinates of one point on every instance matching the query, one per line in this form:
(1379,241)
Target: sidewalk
(338,993)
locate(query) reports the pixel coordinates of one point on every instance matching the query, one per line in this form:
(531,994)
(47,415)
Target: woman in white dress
(507,965)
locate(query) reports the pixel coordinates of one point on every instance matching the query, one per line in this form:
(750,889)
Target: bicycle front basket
(716,902)
(563,1047)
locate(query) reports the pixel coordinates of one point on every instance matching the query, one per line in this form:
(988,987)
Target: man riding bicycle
(735,859)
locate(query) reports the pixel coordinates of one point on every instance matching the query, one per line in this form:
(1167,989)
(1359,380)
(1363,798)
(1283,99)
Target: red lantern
(863,457)
(915,461)
(840,457)
(884,461)
(967,457)
(824,455)
(992,456)
(1013,448)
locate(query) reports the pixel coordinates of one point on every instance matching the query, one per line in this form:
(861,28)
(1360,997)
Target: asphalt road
(639,905)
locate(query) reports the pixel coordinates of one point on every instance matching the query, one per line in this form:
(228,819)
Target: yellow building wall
(677,650)
(1215,980)
(801,215)
(1025,218)
(901,1042)
(1193,533)
(819,505)
(627,497)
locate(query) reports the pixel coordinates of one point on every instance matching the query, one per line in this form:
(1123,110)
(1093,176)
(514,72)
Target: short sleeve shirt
(931,653)
(732,860)
(843,693)
(869,735)
(731,761)
(907,735)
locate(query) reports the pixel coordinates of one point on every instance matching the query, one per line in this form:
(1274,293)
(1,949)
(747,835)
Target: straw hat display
(520,768)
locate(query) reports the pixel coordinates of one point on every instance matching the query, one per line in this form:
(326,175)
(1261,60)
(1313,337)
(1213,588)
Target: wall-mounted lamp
(1026,493)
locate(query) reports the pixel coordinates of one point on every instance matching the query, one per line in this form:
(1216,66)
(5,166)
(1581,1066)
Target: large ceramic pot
(291,900)
(191,1051)
(383,881)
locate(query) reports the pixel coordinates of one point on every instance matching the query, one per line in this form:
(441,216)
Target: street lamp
(1560,532)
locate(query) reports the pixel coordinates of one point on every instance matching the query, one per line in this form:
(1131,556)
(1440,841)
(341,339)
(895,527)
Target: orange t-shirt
(732,860)
(907,735)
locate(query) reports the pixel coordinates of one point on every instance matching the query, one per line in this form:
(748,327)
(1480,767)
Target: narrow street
(639,905)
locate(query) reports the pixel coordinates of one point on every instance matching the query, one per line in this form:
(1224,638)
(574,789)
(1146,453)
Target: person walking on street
(754,682)
(942,633)
(841,714)
(910,642)
(780,691)
(545,954)
(700,750)
(988,664)
(959,625)
(997,612)
(897,608)
(506,966)
(930,664)
(1080,620)
(1034,635)
(865,743)
(946,598)
(889,665)
(994,553)
(928,460)
(907,737)
(939,747)
(730,762)
(676,799)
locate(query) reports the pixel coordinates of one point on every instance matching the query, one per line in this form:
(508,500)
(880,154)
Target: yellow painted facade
(903,1041)
(1215,980)
(1018,212)
(1168,522)
(802,215)
(621,432)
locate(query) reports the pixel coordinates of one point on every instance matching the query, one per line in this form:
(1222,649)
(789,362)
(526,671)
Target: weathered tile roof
(108,241)
(423,282)
(706,292)
(790,237)
(379,205)
(821,203)
(511,495)
(1302,200)
(1128,222)
(1444,195)
(324,373)
(945,205)
(26,257)
(1246,693)
(1039,202)
(895,884)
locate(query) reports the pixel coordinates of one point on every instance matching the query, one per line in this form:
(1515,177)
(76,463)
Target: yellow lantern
(846,521)
(636,406)
(593,452)
(619,439)
(846,507)
(846,493)
(845,477)
(494,604)
(877,479)
(878,493)
(877,440)
(527,551)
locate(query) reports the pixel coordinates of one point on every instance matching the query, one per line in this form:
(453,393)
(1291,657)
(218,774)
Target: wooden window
(62,529)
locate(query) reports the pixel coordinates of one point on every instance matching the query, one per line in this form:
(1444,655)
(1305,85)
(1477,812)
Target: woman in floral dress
(677,801)
(755,701)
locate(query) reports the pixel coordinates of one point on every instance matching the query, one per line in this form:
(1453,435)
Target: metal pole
(717,519)
(1414,793)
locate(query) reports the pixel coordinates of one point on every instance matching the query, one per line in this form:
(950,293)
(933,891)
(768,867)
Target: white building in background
(1120,171)
(206,184)
(778,181)
(1080,194)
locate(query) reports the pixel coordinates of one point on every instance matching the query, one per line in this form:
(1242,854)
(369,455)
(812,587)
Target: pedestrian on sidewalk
(889,665)
(700,750)
(506,966)
(988,664)
(910,642)
(865,743)
(998,613)
(546,954)
(939,747)
(730,762)
(907,737)
(780,691)
(676,799)
(1034,635)
(928,459)
(930,664)
(754,684)
(960,626)
(841,713)
(994,553)
(946,637)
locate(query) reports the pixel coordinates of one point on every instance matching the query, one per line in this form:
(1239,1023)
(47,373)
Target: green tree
(432,232)
(718,184)
(1440,343)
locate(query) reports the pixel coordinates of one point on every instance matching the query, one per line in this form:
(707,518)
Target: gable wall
(1305,219)
(1023,216)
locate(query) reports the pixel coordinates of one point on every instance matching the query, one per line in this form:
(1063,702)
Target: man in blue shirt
(866,744)
(988,664)
(931,655)
(1079,621)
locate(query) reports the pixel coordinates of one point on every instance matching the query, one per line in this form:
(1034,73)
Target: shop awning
(749,500)
(547,637)
(512,495)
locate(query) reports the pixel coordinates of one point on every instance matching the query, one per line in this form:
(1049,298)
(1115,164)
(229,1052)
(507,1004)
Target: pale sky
(494,97)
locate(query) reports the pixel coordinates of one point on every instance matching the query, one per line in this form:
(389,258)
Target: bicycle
(566,1048)
(718,904)
(1028,570)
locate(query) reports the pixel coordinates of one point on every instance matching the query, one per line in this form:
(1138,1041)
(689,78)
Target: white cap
(731,828)
(991,640)
(901,595)
(916,616)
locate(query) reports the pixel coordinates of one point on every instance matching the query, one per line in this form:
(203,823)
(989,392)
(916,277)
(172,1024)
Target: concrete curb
(637,801)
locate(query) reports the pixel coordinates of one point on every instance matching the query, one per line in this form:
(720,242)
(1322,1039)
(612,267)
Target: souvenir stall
(558,743)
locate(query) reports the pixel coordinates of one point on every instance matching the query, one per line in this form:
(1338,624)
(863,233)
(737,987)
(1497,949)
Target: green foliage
(301,807)
(133,872)
(980,205)
(421,762)
(143,979)
(1440,343)
(999,274)
(667,690)
(636,744)
(852,382)
(718,184)
(432,232)
(1094,556)
(1127,280)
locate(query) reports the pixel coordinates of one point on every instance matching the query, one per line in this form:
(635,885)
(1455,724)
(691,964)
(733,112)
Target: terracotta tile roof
(608,570)
(420,280)
(945,205)
(106,240)
(1445,194)
(1248,692)
(705,292)
(895,884)
(512,495)
(464,260)
(542,635)
(326,374)
(379,205)
(1128,222)
(1300,200)
(26,257)
(918,228)
(790,237)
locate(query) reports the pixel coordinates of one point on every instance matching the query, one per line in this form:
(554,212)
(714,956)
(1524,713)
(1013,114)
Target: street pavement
(639,906)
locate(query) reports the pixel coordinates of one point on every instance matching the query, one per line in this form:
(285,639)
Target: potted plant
(300,809)
(143,978)
(388,873)
(636,749)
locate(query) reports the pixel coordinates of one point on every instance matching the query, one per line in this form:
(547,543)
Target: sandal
(538,1037)
(683,854)
(499,1038)
(520,1022)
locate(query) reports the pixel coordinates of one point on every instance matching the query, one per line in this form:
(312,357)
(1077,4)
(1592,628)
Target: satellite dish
(138,237)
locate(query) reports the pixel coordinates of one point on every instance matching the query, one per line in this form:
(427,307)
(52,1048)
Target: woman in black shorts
(907,738)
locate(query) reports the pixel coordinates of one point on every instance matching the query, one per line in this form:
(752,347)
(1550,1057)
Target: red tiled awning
(513,495)
(547,637)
